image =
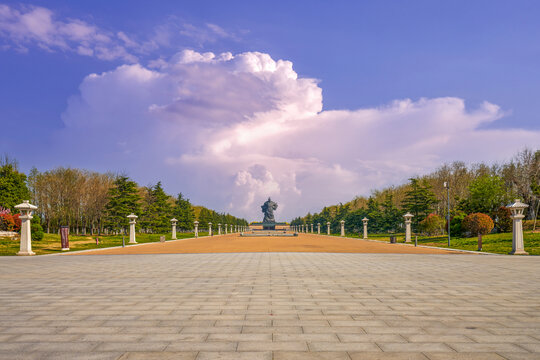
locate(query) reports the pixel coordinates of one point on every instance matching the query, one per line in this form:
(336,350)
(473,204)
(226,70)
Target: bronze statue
(268,210)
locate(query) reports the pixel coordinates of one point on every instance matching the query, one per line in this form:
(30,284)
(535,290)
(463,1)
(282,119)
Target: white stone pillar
(26,233)
(328,227)
(342,227)
(132,221)
(408,217)
(518,246)
(226,229)
(312,228)
(231,229)
(365,221)
(219,229)
(173,222)
(209,229)
(196,228)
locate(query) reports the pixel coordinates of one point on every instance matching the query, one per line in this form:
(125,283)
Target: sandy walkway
(234,243)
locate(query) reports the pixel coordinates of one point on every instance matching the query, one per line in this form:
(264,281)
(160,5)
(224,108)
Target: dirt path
(234,243)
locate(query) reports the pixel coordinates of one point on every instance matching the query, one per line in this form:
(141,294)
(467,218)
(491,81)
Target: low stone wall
(9,234)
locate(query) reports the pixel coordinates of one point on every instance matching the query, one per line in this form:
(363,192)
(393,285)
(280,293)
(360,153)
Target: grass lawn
(51,242)
(493,243)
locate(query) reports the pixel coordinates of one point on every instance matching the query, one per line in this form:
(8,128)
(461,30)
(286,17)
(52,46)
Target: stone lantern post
(219,229)
(225,227)
(173,223)
(231,229)
(312,228)
(328,227)
(408,217)
(26,234)
(318,228)
(132,217)
(342,227)
(209,229)
(365,221)
(196,228)
(517,209)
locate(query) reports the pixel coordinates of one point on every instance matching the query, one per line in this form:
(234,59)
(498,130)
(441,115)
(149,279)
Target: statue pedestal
(269,226)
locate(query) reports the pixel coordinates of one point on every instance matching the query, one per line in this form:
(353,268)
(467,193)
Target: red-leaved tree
(479,224)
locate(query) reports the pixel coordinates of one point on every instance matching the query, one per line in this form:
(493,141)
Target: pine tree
(124,199)
(419,201)
(183,212)
(391,215)
(13,189)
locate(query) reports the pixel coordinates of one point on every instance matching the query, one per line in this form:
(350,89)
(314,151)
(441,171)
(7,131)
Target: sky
(231,102)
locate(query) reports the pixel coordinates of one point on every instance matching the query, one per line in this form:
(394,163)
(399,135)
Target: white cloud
(232,130)
(34,25)
(25,26)
(208,33)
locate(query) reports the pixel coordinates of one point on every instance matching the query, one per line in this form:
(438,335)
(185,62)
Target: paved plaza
(270,306)
(234,243)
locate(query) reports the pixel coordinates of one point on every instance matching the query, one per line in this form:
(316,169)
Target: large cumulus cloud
(231,130)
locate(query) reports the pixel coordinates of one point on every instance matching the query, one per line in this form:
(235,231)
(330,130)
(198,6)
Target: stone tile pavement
(279,306)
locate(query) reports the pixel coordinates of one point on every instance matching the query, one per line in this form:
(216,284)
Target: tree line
(95,203)
(478,188)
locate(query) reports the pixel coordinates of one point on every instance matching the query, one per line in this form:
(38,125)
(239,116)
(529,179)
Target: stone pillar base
(65,249)
(26,253)
(518,252)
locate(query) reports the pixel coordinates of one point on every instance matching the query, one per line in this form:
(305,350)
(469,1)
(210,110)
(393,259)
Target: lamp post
(209,229)
(312,228)
(342,227)
(517,209)
(447,187)
(26,236)
(328,227)
(196,228)
(132,217)
(408,217)
(219,229)
(318,228)
(173,223)
(365,221)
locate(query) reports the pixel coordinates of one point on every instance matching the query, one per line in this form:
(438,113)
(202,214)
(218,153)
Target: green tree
(157,210)
(124,199)
(391,215)
(13,189)
(183,212)
(486,194)
(205,217)
(419,200)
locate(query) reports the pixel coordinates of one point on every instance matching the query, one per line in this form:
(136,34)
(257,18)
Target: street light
(447,187)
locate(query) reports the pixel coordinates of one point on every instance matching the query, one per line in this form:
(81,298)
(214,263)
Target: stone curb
(422,246)
(116,247)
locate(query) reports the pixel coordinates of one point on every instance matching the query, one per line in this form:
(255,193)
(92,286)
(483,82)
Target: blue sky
(367,58)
